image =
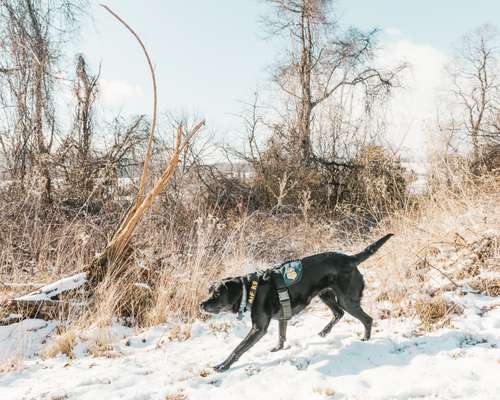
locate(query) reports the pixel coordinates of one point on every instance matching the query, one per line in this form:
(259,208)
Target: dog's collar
(247,300)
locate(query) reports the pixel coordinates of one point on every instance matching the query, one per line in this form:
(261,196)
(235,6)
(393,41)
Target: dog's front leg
(282,338)
(253,337)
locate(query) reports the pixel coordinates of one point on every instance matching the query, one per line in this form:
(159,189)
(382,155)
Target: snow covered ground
(462,361)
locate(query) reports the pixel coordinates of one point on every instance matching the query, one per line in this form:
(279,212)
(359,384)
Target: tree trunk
(305,105)
(40,100)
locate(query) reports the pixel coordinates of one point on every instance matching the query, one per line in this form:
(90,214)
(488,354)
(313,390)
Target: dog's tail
(371,249)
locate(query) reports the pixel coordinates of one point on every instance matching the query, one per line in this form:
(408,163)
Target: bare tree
(85,90)
(476,88)
(74,156)
(321,61)
(31,36)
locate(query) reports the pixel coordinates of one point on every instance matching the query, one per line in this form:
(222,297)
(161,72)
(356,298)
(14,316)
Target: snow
(23,339)
(462,361)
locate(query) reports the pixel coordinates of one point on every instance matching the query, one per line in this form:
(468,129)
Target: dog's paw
(277,348)
(222,367)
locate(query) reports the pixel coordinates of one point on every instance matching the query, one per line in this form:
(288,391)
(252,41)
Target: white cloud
(413,106)
(115,93)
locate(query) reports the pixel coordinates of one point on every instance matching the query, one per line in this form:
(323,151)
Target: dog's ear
(266,276)
(212,287)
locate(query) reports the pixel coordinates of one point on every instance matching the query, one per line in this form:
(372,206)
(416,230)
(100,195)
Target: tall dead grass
(172,271)
(447,237)
(450,240)
(38,244)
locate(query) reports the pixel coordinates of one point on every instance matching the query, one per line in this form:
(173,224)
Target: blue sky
(210,55)
(436,23)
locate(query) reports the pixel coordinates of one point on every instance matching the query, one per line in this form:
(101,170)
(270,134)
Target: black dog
(333,276)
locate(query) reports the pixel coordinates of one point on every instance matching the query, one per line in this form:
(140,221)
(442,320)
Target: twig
(438,270)
(147,158)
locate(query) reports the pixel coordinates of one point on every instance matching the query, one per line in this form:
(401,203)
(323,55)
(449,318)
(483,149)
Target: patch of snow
(397,363)
(143,286)
(490,274)
(24,339)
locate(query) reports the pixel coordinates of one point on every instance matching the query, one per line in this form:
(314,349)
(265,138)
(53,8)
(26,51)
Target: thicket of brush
(448,242)
(184,245)
(186,240)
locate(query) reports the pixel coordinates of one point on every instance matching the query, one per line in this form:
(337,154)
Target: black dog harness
(283,275)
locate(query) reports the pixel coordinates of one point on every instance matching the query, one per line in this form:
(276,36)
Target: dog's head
(225,295)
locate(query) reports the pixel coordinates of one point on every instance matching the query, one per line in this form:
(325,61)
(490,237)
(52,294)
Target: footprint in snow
(300,363)
(252,369)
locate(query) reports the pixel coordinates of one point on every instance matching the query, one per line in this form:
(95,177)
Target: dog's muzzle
(205,306)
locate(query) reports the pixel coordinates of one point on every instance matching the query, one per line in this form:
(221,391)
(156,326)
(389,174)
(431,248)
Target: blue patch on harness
(291,272)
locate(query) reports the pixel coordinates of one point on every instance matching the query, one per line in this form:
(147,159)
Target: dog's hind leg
(354,308)
(328,297)
(282,338)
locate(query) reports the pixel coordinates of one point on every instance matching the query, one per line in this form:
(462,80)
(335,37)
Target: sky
(211,56)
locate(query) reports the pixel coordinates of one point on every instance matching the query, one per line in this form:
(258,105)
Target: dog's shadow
(359,356)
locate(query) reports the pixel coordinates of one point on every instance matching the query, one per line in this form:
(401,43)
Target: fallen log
(54,289)
(45,302)
(20,310)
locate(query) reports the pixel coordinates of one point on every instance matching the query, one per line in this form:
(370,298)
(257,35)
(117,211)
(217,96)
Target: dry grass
(100,344)
(98,341)
(12,364)
(179,333)
(488,286)
(394,294)
(324,391)
(172,263)
(219,327)
(449,241)
(176,396)
(449,237)
(434,310)
(63,343)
